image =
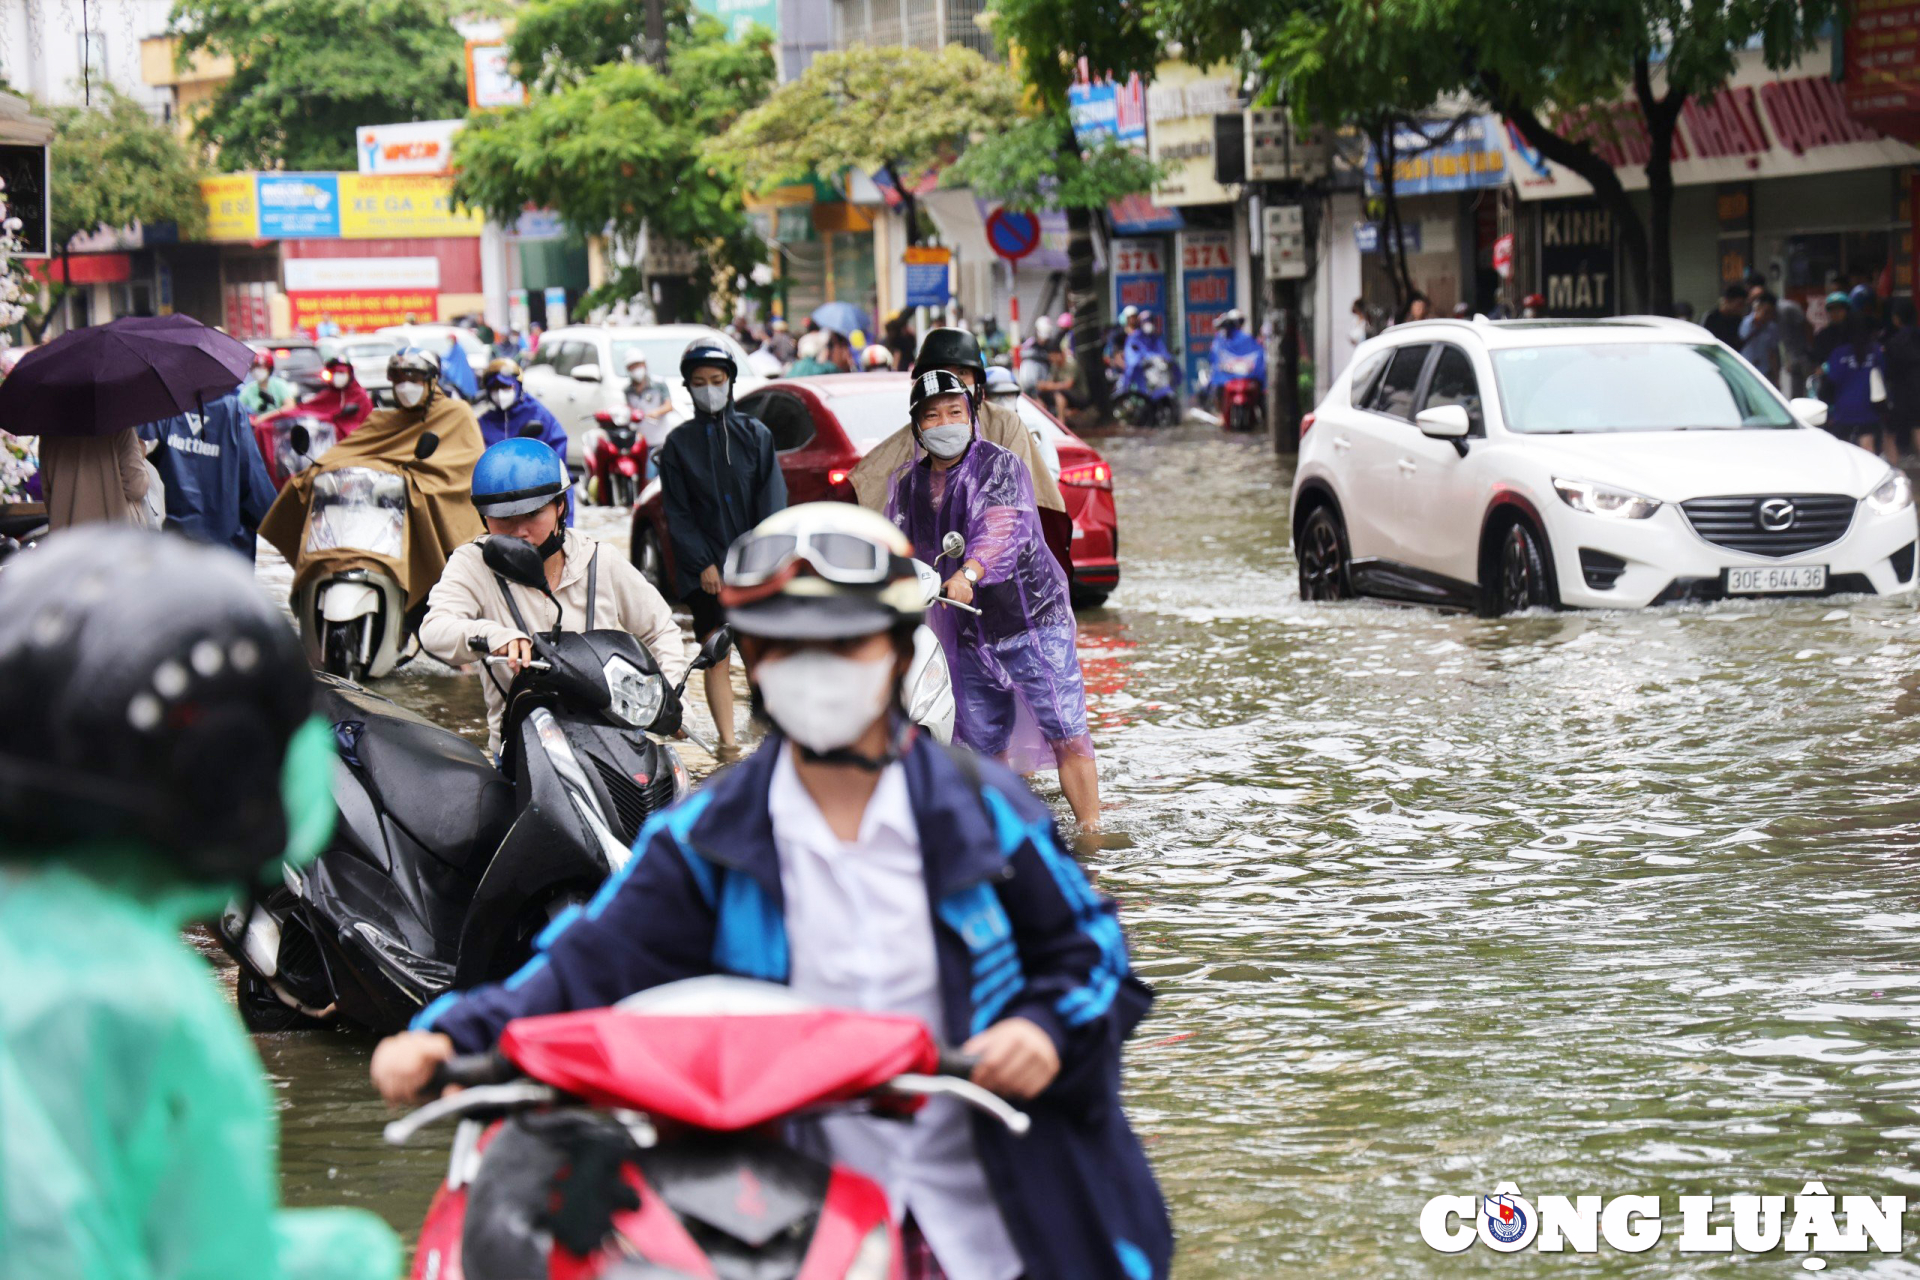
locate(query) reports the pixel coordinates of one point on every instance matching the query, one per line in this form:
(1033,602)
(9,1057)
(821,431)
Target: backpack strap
(593,583)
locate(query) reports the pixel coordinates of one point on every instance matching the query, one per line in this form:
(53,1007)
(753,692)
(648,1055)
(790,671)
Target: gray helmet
(414,362)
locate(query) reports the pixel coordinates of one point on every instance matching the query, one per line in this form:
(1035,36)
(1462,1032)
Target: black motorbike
(443,870)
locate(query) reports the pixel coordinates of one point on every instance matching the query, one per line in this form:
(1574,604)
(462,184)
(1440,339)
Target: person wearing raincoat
(1235,354)
(456,372)
(217,487)
(1017,688)
(1143,344)
(343,401)
(958,352)
(510,412)
(440,515)
(158,755)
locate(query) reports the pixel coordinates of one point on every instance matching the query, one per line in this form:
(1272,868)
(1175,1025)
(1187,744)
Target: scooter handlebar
(471,1070)
(955,1063)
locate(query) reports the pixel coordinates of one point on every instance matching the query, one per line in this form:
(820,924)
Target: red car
(823,426)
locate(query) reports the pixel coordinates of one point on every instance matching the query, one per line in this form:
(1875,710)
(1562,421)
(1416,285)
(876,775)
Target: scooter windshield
(360,509)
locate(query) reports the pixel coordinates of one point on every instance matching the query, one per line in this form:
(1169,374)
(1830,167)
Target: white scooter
(929,683)
(353,617)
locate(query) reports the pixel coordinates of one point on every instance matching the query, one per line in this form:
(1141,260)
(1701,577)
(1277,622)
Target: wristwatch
(971,574)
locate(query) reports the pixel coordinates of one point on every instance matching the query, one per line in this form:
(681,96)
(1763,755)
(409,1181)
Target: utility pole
(657,35)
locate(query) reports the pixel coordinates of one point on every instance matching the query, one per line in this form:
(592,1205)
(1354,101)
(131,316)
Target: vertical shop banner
(1206,289)
(1577,258)
(927,275)
(1733,203)
(299,206)
(1140,276)
(490,78)
(1882,47)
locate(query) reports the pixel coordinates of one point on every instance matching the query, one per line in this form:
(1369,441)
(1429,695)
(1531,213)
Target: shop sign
(1503,257)
(1442,156)
(740,16)
(85,268)
(490,78)
(358,310)
(232,213)
(402,207)
(1140,276)
(1137,215)
(423,146)
(927,275)
(1108,112)
(1733,204)
(320,275)
(1366,237)
(23,167)
(1576,258)
(1883,66)
(1181,103)
(298,206)
(1206,290)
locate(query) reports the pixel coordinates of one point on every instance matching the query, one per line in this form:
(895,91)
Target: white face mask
(409,394)
(711,399)
(948,441)
(260,376)
(505,396)
(822,700)
(639,377)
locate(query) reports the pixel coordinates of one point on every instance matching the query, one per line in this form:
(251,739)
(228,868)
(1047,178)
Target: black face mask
(555,540)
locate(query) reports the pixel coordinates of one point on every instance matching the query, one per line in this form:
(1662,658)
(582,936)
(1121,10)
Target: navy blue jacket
(1018,933)
(719,477)
(217,485)
(498,424)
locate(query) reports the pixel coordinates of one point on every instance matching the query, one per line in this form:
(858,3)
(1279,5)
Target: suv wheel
(1522,581)
(1322,553)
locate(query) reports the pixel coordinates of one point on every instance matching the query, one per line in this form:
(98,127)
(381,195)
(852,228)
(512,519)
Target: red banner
(355,310)
(1883,66)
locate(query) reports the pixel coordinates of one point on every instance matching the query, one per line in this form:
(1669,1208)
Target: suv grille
(1804,520)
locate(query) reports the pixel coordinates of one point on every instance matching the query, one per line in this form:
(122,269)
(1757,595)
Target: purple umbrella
(103,379)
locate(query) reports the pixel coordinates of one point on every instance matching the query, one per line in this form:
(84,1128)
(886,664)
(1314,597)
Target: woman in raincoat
(1018,692)
(158,754)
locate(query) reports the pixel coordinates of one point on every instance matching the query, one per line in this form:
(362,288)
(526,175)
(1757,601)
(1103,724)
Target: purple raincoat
(1016,678)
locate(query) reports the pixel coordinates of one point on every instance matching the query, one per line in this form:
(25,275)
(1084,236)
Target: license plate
(1776,579)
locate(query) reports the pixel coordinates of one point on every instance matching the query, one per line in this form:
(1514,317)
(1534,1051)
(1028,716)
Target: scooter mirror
(953,545)
(299,439)
(516,561)
(423,447)
(714,649)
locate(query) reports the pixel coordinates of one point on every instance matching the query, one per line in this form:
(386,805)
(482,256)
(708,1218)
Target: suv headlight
(637,697)
(1596,500)
(1894,493)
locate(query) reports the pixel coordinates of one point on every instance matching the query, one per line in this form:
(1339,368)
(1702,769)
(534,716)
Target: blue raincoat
(457,373)
(1140,346)
(1228,357)
(218,490)
(498,424)
(1018,932)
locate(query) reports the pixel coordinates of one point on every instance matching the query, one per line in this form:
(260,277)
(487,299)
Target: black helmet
(149,691)
(705,351)
(950,348)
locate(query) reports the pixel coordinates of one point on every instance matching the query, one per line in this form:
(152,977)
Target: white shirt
(860,936)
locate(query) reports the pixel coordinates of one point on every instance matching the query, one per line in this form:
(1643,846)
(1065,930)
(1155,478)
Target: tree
(556,43)
(307,73)
(621,149)
(1051,39)
(112,166)
(893,111)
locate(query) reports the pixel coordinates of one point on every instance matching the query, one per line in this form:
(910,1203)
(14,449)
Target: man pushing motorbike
(158,754)
(439,514)
(520,489)
(865,866)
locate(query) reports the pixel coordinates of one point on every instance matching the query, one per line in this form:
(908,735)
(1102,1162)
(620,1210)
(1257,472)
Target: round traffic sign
(1013,235)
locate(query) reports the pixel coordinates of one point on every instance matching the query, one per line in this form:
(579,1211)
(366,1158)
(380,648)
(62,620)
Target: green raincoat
(137,1135)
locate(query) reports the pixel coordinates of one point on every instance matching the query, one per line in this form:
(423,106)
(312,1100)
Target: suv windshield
(1632,386)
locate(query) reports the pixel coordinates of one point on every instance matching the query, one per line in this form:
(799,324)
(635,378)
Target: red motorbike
(617,463)
(643,1142)
(290,439)
(1243,400)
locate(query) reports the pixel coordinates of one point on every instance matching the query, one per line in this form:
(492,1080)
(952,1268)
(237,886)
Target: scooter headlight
(1894,494)
(637,697)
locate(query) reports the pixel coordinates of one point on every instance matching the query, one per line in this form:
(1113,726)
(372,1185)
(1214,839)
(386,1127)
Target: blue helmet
(1001,382)
(517,476)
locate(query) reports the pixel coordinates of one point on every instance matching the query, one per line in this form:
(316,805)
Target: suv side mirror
(1809,410)
(1445,422)
(516,561)
(586,372)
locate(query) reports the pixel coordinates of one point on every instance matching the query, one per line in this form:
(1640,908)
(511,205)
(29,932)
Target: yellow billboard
(232,211)
(401,206)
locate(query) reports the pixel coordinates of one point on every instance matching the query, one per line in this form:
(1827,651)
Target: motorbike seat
(439,787)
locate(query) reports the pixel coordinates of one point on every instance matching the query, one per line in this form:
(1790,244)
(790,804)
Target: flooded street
(1599,903)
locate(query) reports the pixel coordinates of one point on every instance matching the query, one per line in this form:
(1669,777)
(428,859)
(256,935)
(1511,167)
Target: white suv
(1502,465)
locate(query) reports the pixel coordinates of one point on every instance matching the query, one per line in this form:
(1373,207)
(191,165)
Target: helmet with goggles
(821,571)
(517,476)
(413,364)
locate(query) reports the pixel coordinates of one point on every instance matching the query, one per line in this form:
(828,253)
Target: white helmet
(1043,329)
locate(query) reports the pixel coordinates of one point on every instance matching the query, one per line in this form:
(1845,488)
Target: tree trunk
(1391,244)
(1084,297)
(657,35)
(1583,160)
(909,204)
(1663,117)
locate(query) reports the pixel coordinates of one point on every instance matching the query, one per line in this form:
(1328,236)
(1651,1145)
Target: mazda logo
(1776,514)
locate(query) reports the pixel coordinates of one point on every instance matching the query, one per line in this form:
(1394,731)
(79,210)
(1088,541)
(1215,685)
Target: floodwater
(1600,904)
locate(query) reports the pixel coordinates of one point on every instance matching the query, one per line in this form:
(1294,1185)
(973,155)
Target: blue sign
(1137,216)
(1206,290)
(296,206)
(1140,277)
(1366,236)
(1441,156)
(1013,235)
(927,284)
(1107,112)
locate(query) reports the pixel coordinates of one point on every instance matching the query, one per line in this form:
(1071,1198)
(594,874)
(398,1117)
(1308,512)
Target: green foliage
(894,109)
(624,147)
(115,165)
(558,42)
(308,72)
(1034,165)
(1049,37)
